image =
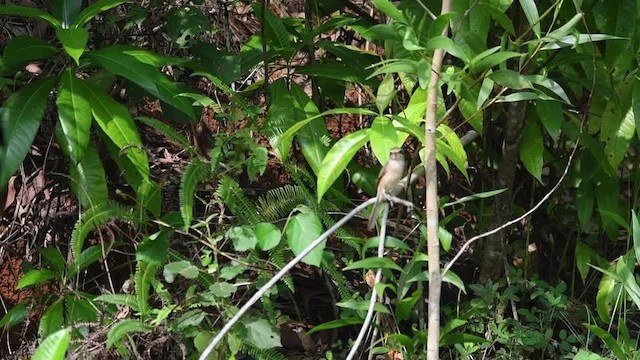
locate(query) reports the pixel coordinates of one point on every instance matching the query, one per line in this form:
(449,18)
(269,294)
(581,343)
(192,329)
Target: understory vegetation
(162,162)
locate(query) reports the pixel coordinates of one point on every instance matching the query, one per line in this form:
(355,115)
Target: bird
(389,176)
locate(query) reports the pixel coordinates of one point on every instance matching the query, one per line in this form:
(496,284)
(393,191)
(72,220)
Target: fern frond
(94,217)
(166,130)
(237,98)
(145,274)
(261,354)
(233,196)
(276,256)
(193,174)
(124,327)
(279,202)
(342,284)
(119,299)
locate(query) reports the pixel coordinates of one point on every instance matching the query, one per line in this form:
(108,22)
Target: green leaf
(550,114)
(605,297)
(511,79)
(301,230)
(389,9)
(54,347)
(74,114)
(154,249)
(458,156)
(441,42)
(628,280)
(618,144)
(373,263)
(445,238)
(482,195)
(73,41)
(453,279)
(124,327)
(338,158)
(86,258)
(54,257)
(35,277)
(222,289)
(532,149)
(573,40)
(149,197)
(334,324)
(65,11)
(143,75)
(362,305)
(549,84)
(608,339)
(89,179)
(183,267)
(22,49)
(94,9)
(243,238)
(52,320)
(386,93)
(585,201)
(119,299)
(20,118)
(268,236)
(484,61)
(383,137)
(562,31)
(531,12)
(261,334)
(405,306)
(636,234)
(117,124)
(274,28)
(283,143)
(29,12)
(15,316)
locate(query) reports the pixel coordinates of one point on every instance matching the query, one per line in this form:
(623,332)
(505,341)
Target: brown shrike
(388,178)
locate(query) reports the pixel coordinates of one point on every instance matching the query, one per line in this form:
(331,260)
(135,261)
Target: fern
(119,299)
(92,218)
(278,203)
(224,87)
(193,174)
(261,354)
(340,281)
(145,274)
(167,131)
(233,196)
(276,256)
(124,327)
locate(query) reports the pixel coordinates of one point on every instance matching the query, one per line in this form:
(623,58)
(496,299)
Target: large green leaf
(302,229)
(338,158)
(54,347)
(29,12)
(531,13)
(116,122)
(74,114)
(531,149)
(22,49)
(143,75)
(383,137)
(89,179)
(274,27)
(73,41)
(52,319)
(94,9)
(20,118)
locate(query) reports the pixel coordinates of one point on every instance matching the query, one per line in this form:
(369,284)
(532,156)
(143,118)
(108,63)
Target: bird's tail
(374,213)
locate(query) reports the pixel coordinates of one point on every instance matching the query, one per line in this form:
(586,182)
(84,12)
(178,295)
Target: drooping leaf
(531,13)
(22,49)
(74,113)
(20,117)
(302,229)
(73,41)
(338,158)
(31,12)
(35,277)
(383,137)
(532,149)
(94,9)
